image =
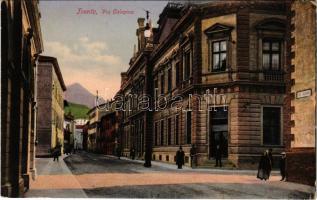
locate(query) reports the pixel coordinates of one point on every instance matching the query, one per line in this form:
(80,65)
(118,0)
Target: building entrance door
(218,132)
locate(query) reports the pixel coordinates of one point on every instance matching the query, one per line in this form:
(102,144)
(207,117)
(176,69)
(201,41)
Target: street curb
(186,168)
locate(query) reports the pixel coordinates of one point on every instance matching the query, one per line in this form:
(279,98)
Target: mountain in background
(76,93)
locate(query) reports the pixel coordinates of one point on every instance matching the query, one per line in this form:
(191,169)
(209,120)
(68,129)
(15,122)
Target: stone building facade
(50,99)
(78,136)
(21,43)
(218,75)
(94,117)
(135,85)
(109,139)
(301,157)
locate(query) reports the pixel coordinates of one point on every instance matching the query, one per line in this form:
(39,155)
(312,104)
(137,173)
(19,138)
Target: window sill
(216,72)
(273,146)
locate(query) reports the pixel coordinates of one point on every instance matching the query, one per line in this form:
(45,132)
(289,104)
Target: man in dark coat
(265,167)
(180,155)
(132,153)
(118,152)
(218,156)
(282,165)
(219,147)
(193,153)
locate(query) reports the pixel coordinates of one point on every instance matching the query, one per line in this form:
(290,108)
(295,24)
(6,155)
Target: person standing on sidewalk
(264,169)
(270,154)
(193,154)
(118,152)
(218,156)
(132,153)
(282,165)
(219,148)
(180,155)
(56,152)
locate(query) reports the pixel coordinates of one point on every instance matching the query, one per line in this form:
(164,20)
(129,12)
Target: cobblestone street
(90,175)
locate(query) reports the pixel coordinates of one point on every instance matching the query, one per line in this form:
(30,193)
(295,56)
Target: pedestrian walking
(180,155)
(282,165)
(193,154)
(265,167)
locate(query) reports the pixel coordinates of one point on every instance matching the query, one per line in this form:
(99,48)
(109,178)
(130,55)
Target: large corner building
(216,71)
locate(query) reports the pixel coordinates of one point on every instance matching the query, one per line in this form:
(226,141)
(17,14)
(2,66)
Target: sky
(93,49)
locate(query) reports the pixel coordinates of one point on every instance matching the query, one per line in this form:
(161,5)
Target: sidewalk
(186,168)
(275,174)
(52,174)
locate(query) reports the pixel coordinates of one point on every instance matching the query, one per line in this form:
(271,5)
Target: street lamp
(147,32)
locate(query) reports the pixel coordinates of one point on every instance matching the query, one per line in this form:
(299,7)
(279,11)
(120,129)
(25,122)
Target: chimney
(141,22)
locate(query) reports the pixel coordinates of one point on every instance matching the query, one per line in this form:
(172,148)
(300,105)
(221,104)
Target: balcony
(275,76)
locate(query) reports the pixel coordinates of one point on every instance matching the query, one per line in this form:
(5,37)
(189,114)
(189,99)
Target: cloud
(84,39)
(88,63)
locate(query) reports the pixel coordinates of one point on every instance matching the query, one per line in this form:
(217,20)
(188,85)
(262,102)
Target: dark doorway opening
(218,131)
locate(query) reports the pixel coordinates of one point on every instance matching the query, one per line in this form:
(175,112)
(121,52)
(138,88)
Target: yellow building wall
(57,113)
(304,75)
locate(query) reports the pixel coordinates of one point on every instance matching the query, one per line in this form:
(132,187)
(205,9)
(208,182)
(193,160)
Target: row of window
(134,136)
(165,134)
(271,54)
(271,60)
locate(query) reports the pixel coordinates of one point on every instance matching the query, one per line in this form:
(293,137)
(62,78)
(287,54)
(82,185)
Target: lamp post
(148,90)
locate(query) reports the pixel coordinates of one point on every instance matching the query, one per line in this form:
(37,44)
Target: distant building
(94,116)
(69,132)
(81,121)
(85,136)
(301,156)
(78,137)
(50,87)
(108,139)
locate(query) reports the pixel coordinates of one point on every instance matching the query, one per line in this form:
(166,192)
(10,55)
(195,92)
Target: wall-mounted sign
(303,93)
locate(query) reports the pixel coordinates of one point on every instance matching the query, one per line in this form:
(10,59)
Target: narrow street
(90,175)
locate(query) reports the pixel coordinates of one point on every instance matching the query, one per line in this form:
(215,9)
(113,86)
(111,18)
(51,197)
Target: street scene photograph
(212,99)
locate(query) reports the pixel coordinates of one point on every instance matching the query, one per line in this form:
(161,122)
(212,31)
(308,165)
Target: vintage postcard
(158,99)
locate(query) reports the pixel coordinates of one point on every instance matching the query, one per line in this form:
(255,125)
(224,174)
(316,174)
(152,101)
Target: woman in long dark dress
(265,167)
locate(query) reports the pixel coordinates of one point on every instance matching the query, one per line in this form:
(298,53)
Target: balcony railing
(273,75)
